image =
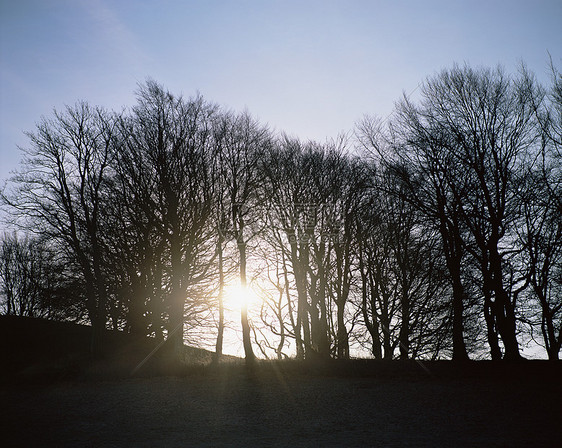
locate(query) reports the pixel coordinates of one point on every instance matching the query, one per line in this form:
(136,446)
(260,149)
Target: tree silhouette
(427,236)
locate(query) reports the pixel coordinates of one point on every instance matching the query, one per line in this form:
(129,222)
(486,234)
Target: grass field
(284,404)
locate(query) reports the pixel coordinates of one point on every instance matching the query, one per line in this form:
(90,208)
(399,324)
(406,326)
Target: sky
(309,68)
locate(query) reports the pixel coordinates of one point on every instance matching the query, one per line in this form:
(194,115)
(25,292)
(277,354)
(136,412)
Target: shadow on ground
(273,404)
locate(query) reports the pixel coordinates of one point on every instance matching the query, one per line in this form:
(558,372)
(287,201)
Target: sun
(235,297)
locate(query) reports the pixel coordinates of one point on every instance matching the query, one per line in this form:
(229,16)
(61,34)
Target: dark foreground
(292,405)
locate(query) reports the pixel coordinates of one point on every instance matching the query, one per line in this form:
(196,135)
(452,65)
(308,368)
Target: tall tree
(482,121)
(413,154)
(540,236)
(136,236)
(35,282)
(175,134)
(242,142)
(60,192)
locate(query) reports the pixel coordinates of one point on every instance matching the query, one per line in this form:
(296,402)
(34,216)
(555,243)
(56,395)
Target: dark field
(285,404)
(230,408)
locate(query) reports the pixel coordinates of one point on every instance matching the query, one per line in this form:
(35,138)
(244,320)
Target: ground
(232,407)
(54,394)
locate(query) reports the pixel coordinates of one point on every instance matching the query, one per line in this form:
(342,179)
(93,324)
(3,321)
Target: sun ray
(236,296)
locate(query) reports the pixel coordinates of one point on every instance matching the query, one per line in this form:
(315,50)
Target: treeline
(434,234)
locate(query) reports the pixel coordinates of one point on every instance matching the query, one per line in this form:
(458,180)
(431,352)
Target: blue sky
(309,68)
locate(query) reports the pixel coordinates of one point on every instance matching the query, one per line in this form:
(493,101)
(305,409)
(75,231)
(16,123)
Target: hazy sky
(310,68)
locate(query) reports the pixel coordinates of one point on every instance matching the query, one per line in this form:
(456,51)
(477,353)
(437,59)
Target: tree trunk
(100,284)
(296,325)
(177,296)
(405,329)
(452,246)
(493,341)
(157,302)
(246,333)
(385,324)
(134,310)
(343,338)
(504,312)
(369,311)
(302,300)
(459,347)
(318,311)
(220,330)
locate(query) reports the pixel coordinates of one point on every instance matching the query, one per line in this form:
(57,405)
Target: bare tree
(136,238)
(242,142)
(286,189)
(175,136)
(60,193)
(483,123)
(423,166)
(449,222)
(34,281)
(540,240)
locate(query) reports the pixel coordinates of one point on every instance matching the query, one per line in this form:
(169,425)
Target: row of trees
(436,234)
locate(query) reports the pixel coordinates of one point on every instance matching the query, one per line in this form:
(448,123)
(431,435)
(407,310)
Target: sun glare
(235,297)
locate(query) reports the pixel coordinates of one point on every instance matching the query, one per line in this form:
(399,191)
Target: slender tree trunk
(246,332)
(302,300)
(459,347)
(376,348)
(134,310)
(323,339)
(504,312)
(220,332)
(489,312)
(452,246)
(100,287)
(405,329)
(552,343)
(296,325)
(343,339)
(282,336)
(493,341)
(385,324)
(368,308)
(157,294)
(177,296)
(509,330)
(318,315)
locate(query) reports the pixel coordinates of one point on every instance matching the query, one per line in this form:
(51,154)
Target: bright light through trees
(435,235)
(236,296)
